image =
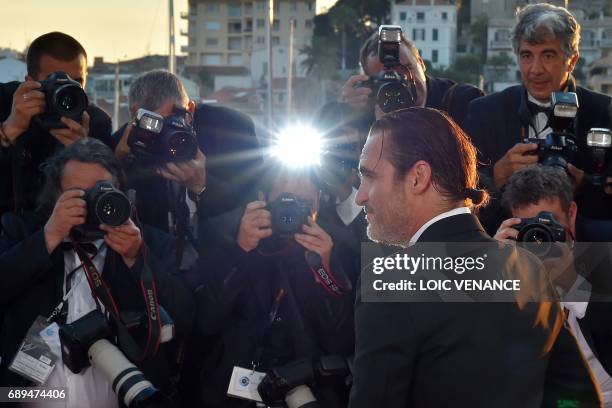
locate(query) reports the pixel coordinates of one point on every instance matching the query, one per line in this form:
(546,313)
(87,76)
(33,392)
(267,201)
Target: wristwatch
(196,196)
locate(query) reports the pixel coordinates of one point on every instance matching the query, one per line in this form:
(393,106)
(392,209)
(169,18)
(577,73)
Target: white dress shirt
(581,292)
(348,209)
(89,388)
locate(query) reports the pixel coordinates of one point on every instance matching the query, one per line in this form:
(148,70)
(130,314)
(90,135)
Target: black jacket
(21,179)
(497,122)
(443,355)
(31,282)
(234,305)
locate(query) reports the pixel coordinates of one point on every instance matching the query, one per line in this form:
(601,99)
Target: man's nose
(537,67)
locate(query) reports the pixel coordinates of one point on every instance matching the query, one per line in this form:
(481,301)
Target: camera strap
(335,285)
(102,293)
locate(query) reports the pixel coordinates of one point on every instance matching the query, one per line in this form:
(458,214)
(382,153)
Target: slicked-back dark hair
(86,150)
(55,44)
(427,134)
(534,183)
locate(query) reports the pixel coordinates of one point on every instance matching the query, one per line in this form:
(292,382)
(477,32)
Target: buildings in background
(227,48)
(431,25)
(11,68)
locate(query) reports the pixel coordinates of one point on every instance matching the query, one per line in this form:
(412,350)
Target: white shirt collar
(454,211)
(534,100)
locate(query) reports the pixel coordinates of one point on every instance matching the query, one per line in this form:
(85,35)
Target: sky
(114,29)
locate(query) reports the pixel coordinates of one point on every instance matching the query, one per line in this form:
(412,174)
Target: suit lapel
(462,227)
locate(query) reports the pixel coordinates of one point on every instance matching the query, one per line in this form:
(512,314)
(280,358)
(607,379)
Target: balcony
(187,16)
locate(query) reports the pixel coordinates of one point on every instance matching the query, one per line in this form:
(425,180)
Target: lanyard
(271,318)
(58,309)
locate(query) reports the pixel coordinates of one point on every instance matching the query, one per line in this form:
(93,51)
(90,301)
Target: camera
(63,97)
(288,383)
(105,205)
(538,233)
(289,213)
(156,139)
(598,143)
(87,341)
(559,147)
(393,90)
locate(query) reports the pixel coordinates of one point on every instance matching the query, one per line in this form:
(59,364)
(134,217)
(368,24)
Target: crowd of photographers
(175,263)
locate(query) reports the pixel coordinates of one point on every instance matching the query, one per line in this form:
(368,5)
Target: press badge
(243,384)
(35,359)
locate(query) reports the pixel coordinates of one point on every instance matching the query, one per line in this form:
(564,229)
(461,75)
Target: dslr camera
(289,213)
(87,341)
(538,233)
(105,205)
(393,90)
(63,97)
(599,141)
(155,139)
(559,147)
(289,383)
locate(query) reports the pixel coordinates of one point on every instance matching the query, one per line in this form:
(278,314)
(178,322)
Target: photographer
(276,295)
(431,92)
(218,177)
(60,264)
(545,40)
(27,136)
(581,274)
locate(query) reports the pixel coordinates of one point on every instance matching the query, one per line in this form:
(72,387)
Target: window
(212,42)
(605,88)
(212,25)
(261,23)
(418,34)
(264,67)
(234,43)
(276,25)
(310,6)
(434,56)
(212,8)
(275,40)
(234,27)
(308,23)
(193,41)
(435,34)
(261,39)
(235,59)
(260,6)
(444,15)
(420,16)
(402,16)
(248,9)
(233,9)
(211,59)
(293,6)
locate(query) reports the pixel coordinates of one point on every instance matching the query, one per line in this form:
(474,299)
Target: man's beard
(390,224)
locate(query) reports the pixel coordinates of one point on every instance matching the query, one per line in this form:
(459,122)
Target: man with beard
(418,184)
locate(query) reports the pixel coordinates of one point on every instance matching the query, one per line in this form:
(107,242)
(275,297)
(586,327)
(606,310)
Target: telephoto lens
(301,397)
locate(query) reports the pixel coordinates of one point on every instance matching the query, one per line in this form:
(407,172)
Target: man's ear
(419,177)
(573,61)
(571,218)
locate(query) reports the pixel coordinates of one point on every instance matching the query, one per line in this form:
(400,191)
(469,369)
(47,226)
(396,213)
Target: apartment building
(431,25)
(226,33)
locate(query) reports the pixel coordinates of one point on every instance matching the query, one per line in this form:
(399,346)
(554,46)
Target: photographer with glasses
(81,283)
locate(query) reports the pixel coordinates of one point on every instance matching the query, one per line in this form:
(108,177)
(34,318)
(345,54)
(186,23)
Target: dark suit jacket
(448,355)
(31,283)
(497,122)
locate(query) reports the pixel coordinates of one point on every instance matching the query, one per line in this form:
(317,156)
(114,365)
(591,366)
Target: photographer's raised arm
(28,101)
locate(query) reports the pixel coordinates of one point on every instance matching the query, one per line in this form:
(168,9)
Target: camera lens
(393,96)
(113,208)
(70,101)
(538,239)
(181,146)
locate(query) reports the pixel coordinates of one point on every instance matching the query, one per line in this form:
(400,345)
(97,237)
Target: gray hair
(154,88)
(86,150)
(536,22)
(535,183)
